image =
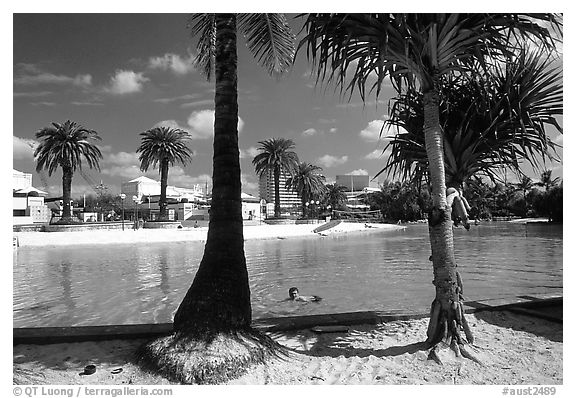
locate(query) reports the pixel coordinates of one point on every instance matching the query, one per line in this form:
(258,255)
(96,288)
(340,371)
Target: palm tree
(525,185)
(418,51)
(546,180)
(276,156)
(213,339)
(308,183)
(163,147)
(492,122)
(335,196)
(65,145)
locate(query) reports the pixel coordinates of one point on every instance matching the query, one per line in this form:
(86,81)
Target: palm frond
(204,27)
(270,39)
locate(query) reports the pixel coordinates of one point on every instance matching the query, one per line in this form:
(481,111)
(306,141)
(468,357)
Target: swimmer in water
(295,296)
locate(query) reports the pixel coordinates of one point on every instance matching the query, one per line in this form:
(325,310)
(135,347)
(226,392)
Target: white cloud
(371,133)
(309,132)
(378,154)
(23,148)
(170,124)
(172,62)
(202,124)
(358,172)
(329,160)
(31,75)
(197,103)
(249,153)
(173,99)
(126,82)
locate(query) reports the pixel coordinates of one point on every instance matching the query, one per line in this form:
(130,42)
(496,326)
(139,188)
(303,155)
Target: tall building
(353,182)
(288,199)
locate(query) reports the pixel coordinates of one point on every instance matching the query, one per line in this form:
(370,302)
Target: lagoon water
(385,270)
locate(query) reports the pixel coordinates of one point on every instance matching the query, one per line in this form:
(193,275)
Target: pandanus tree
(66,145)
(417,52)
(163,147)
(498,120)
(276,156)
(308,182)
(212,338)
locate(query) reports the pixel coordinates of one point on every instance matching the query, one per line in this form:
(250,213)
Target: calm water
(144,283)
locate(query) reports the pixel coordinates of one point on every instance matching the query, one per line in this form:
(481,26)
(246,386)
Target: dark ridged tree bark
(163,186)
(220,295)
(277,211)
(67,174)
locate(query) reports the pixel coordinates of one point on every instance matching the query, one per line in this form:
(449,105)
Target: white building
(144,188)
(27,202)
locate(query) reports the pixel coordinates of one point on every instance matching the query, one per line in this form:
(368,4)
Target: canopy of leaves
(307,181)
(268,37)
(163,144)
(65,145)
(276,153)
(495,120)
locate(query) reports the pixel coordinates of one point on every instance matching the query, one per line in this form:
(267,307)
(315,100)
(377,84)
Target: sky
(122,74)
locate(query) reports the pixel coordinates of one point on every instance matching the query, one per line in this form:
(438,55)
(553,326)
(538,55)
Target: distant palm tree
(308,183)
(276,156)
(163,147)
(335,196)
(546,180)
(65,145)
(419,51)
(213,340)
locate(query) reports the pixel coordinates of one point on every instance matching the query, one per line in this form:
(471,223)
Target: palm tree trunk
(163,186)
(219,298)
(446,315)
(277,192)
(66,193)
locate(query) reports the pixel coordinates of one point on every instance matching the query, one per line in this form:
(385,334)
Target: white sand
(263,231)
(515,349)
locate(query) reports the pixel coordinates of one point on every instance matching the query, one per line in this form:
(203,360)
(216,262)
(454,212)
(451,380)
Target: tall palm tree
(494,121)
(308,183)
(276,156)
(213,339)
(163,147)
(65,145)
(358,51)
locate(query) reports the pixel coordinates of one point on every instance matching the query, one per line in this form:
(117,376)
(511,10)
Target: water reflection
(95,285)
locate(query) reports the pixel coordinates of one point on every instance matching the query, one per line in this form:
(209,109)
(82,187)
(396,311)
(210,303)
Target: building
(28,205)
(183,203)
(288,199)
(353,182)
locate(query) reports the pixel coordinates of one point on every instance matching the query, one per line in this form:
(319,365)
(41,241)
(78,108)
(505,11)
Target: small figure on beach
(295,296)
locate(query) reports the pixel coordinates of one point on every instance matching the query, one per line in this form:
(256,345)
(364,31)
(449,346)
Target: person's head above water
(293,292)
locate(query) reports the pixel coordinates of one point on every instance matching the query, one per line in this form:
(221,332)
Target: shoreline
(251,232)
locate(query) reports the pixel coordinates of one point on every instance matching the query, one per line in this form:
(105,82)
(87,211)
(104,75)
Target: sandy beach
(514,349)
(263,231)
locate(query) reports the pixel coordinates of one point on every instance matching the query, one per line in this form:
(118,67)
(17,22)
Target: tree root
(207,358)
(444,332)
